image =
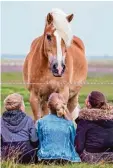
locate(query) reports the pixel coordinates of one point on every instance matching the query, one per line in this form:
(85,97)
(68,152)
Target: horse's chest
(45,90)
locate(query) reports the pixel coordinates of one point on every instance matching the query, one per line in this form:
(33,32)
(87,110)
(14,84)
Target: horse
(57,63)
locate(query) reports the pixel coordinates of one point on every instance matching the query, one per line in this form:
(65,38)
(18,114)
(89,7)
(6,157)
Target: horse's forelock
(62,25)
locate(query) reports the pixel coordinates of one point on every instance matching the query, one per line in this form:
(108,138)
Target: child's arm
(80,136)
(33,133)
(39,130)
(73,133)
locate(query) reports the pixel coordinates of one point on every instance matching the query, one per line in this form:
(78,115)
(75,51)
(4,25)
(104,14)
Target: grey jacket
(17,126)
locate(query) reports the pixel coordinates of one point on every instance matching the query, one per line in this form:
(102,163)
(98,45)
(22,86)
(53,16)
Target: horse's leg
(45,109)
(65,93)
(72,103)
(72,106)
(35,105)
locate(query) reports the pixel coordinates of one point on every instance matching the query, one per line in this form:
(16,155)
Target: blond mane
(62,26)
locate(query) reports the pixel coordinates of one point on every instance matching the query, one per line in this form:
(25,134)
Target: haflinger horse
(56,63)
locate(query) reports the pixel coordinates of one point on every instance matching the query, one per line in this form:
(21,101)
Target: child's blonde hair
(13,101)
(57,104)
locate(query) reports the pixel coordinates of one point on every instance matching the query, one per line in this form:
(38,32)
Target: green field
(12,82)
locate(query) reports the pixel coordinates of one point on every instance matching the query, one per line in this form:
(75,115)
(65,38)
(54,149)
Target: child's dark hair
(97,100)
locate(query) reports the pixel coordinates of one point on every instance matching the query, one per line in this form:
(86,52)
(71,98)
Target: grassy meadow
(13,82)
(10,164)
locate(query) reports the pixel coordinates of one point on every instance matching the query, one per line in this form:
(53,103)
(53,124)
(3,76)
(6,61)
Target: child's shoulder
(51,117)
(41,120)
(71,123)
(46,117)
(29,118)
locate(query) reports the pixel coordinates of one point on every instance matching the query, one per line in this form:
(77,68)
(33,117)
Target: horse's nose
(58,69)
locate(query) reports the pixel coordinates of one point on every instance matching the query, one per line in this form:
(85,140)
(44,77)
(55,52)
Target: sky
(21,22)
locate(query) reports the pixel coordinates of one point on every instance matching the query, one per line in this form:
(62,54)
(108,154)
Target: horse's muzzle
(58,71)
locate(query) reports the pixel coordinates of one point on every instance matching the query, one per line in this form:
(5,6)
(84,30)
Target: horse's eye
(65,50)
(49,37)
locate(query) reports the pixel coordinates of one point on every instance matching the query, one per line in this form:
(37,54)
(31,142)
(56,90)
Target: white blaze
(63,31)
(59,50)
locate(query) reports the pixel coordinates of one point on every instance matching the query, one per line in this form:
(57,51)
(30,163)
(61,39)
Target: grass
(10,164)
(16,77)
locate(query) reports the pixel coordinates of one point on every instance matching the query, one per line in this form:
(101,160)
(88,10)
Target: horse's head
(56,41)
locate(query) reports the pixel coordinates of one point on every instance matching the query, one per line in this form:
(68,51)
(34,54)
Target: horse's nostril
(56,71)
(63,66)
(55,66)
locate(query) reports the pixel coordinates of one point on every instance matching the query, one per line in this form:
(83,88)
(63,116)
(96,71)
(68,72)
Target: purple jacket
(94,131)
(17,129)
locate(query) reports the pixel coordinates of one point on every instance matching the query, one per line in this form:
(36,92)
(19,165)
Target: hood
(14,120)
(101,117)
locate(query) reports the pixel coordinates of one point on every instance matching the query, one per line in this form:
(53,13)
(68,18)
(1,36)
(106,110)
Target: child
(18,133)
(56,133)
(94,141)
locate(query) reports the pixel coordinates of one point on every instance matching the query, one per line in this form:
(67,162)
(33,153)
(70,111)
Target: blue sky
(21,22)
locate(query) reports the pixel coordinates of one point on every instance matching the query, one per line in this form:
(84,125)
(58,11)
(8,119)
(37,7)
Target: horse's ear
(70,17)
(49,18)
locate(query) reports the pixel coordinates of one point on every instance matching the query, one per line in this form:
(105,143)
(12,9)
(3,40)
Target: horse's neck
(38,58)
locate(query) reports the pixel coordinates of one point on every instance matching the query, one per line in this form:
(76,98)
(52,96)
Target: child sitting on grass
(94,140)
(56,133)
(18,133)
